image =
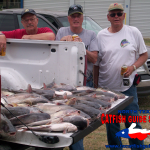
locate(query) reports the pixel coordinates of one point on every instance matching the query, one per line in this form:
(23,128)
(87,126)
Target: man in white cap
(118,46)
(29,21)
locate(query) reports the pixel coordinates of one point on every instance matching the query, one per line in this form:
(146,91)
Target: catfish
(6,125)
(29,118)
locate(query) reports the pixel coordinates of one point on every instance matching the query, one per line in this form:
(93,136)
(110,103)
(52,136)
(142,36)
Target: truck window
(7,22)
(88,23)
(50,19)
(41,23)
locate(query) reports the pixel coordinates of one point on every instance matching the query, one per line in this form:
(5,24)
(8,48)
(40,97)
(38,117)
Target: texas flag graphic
(132,133)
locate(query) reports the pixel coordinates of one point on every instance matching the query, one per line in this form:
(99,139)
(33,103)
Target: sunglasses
(119,14)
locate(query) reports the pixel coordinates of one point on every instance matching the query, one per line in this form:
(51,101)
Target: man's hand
(92,56)
(77,39)
(141,60)
(129,71)
(26,37)
(67,38)
(2,42)
(41,36)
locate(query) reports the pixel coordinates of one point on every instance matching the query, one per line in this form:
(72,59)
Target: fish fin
(41,111)
(23,129)
(54,95)
(65,95)
(48,123)
(50,130)
(65,131)
(88,122)
(29,89)
(13,104)
(61,119)
(94,96)
(62,84)
(71,101)
(44,86)
(76,112)
(59,103)
(28,102)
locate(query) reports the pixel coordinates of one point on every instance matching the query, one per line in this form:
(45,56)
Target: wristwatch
(1,34)
(134,67)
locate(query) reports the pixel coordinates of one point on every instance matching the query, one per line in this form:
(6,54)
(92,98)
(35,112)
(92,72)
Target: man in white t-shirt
(118,46)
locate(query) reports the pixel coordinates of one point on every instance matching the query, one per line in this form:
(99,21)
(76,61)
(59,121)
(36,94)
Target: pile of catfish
(54,108)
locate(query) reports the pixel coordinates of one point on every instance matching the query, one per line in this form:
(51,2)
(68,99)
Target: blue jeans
(113,128)
(89,81)
(79,144)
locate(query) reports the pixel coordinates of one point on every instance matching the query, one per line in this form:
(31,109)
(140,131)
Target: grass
(147,41)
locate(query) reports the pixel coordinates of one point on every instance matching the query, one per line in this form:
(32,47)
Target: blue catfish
(17,111)
(6,125)
(29,118)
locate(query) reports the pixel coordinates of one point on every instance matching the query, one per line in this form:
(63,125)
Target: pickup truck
(10,19)
(143,88)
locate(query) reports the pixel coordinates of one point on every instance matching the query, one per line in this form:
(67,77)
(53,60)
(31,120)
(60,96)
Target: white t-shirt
(115,50)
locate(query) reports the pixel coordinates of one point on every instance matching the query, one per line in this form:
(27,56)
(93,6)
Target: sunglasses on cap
(75,9)
(75,6)
(119,14)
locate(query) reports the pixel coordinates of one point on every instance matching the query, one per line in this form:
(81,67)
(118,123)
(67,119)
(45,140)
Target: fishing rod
(91,79)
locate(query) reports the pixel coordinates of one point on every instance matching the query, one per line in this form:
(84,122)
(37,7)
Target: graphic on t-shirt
(124,43)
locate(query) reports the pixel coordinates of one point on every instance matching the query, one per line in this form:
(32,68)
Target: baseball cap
(114,6)
(75,9)
(31,11)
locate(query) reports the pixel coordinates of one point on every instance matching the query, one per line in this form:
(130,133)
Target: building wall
(140,16)
(97,9)
(54,5)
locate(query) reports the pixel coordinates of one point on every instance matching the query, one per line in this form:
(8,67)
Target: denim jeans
(89,81)
(77,146)
(113,128)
